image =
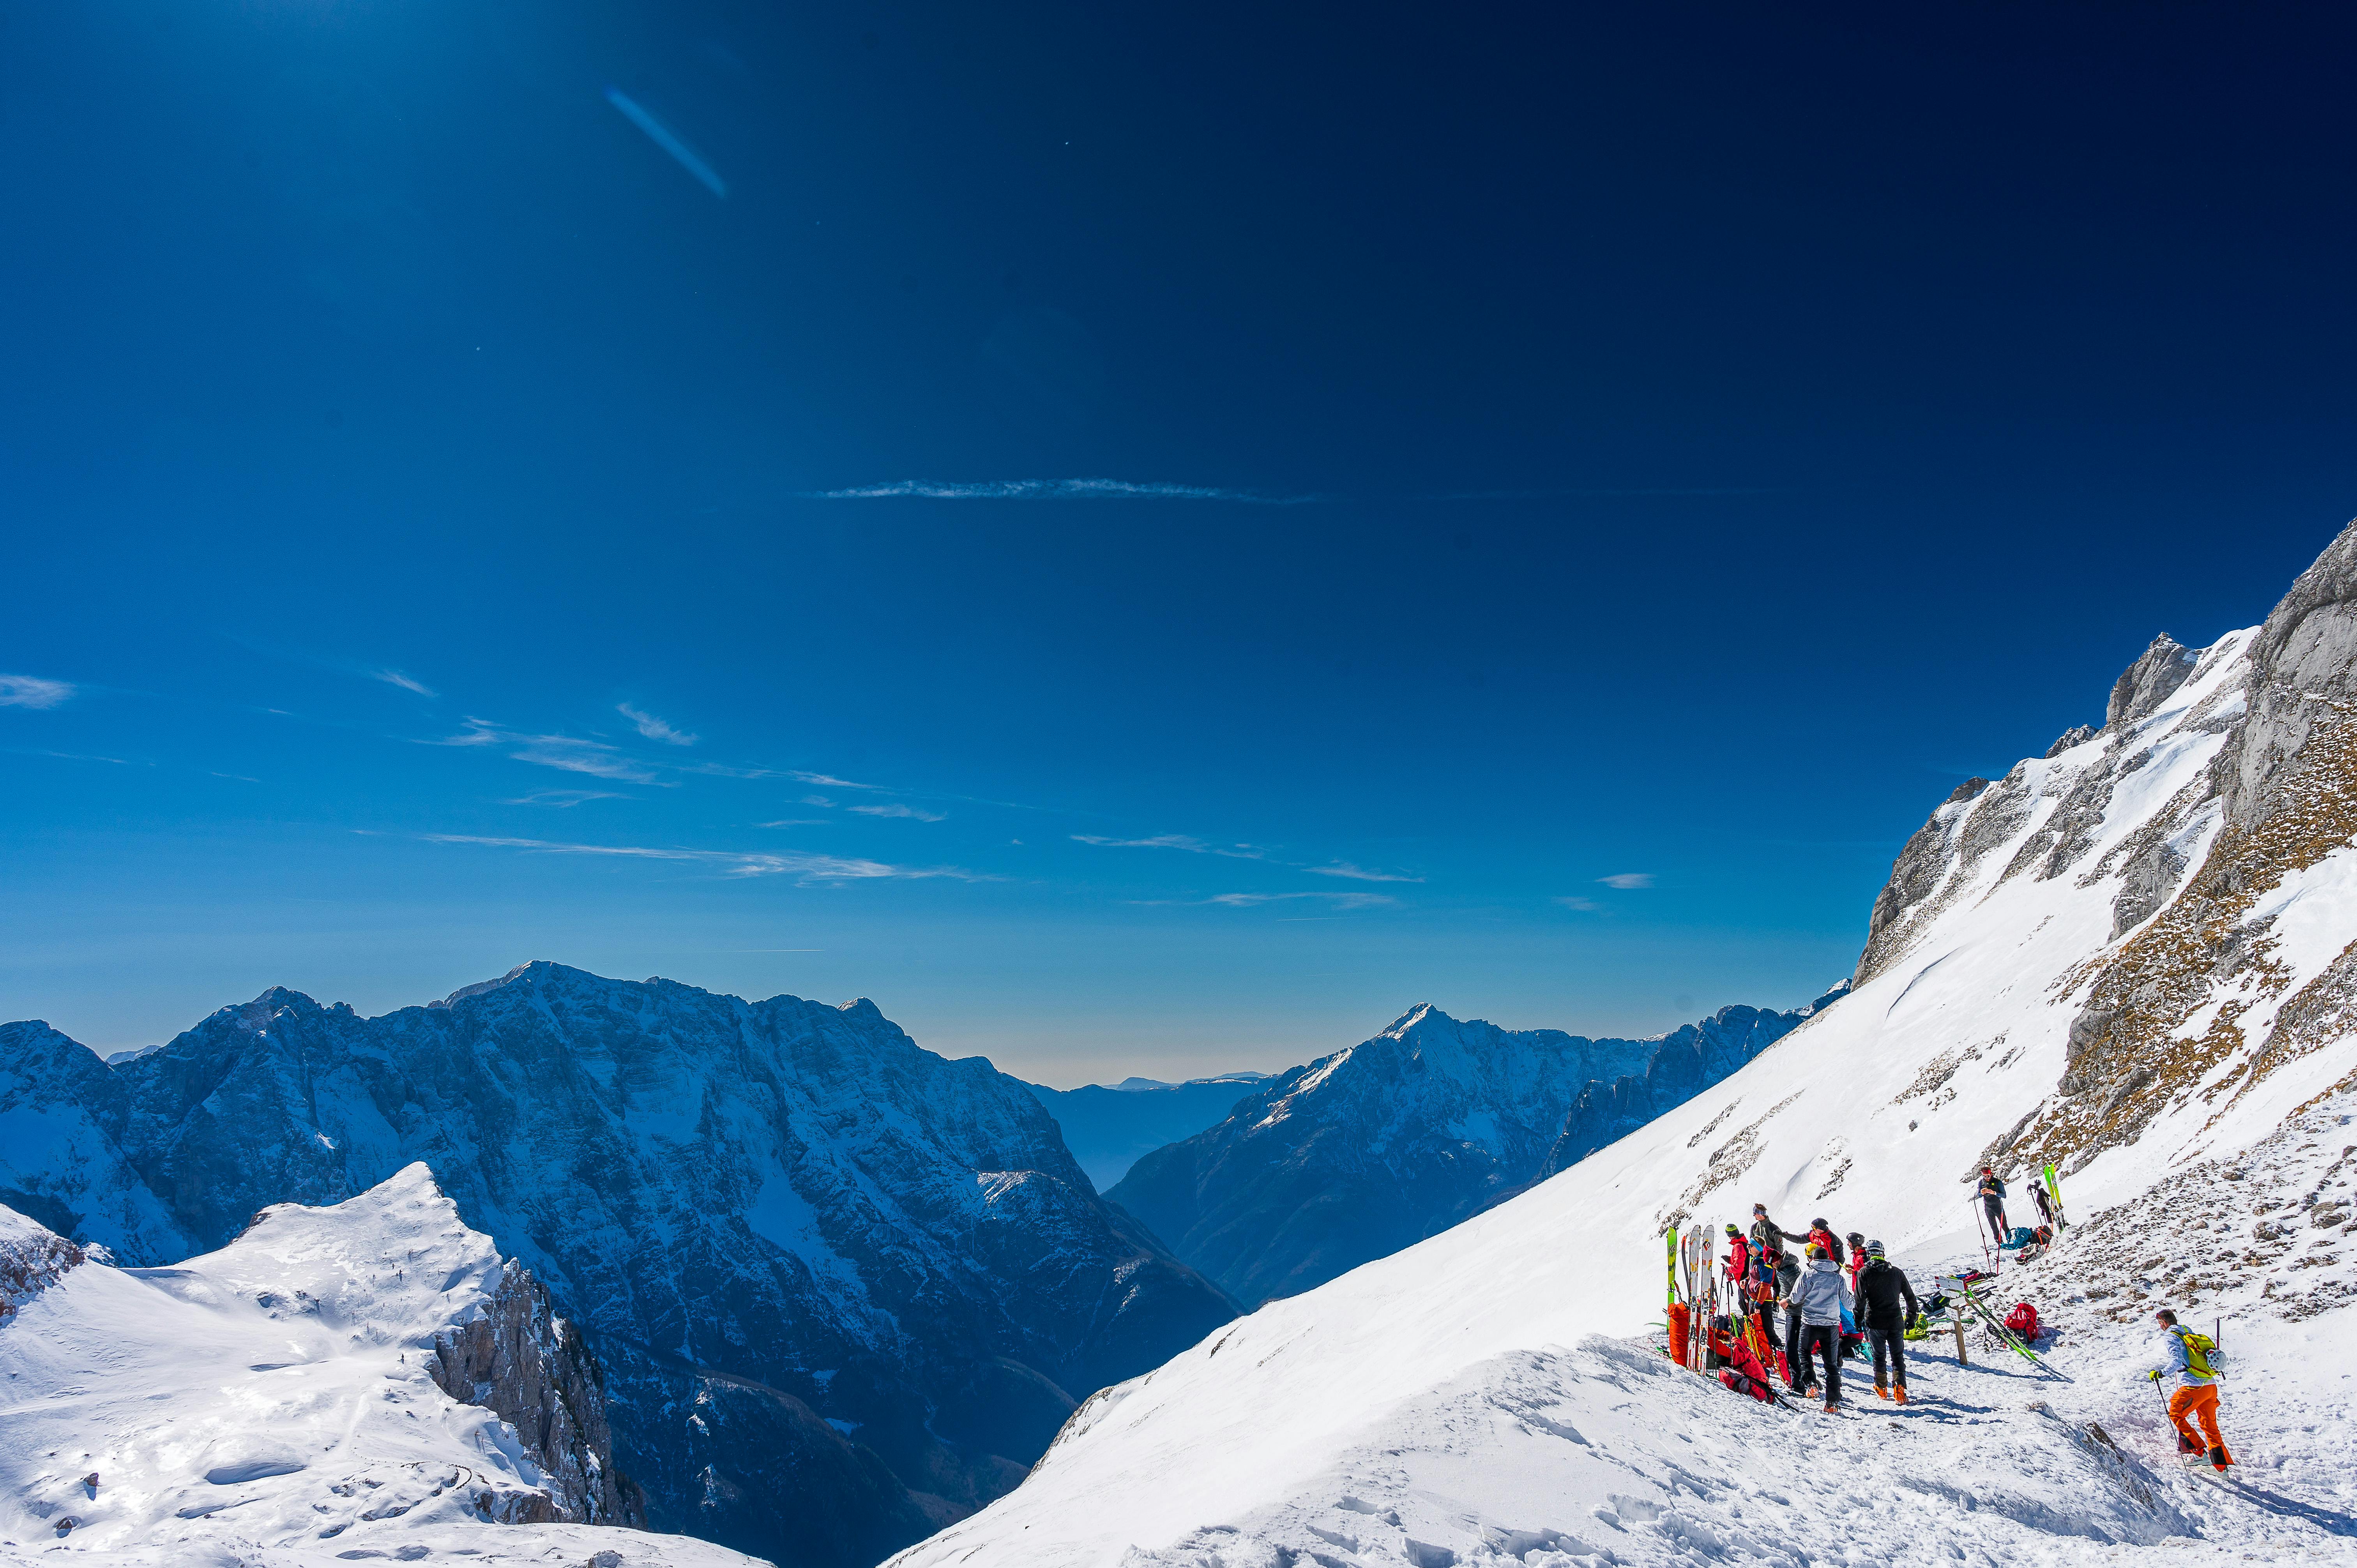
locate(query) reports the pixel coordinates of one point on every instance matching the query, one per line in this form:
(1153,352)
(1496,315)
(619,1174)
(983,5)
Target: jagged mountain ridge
(1377,1146)
(2128,957)
(844,1289)
(368,1379)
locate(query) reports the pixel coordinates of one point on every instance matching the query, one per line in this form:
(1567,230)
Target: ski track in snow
(1484,1397)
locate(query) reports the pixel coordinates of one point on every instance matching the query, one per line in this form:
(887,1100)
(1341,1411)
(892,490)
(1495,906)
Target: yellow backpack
(2198,1348)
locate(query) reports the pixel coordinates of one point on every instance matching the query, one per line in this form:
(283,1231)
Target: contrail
(663,136)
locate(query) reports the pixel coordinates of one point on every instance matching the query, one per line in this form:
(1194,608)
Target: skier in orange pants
(2185,1362)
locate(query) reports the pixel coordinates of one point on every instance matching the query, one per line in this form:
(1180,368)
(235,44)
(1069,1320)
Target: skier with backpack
(1821,1298)
(1821,1234)
(1886,1306)
(1992,1196)
(2185,1361)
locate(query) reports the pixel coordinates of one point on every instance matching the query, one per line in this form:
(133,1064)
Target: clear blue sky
(1662,444)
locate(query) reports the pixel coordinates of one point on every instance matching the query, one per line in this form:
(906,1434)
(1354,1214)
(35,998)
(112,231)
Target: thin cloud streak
(406,682)
(654,728)
(663,136)
(1187,842)
(1251,900)
(1051,489)
(33,692)
(810,869)
(1358,873)
(564,798)
(900,811)
(1573,901)
(1625,880)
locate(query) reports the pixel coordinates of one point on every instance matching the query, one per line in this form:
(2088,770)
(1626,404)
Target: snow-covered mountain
(844,1290)
(1109,1126)
(1379,1145)
(2132,956)
(365,1381)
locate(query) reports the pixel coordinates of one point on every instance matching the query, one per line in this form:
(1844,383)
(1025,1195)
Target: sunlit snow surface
(1476,1400)
(268,1405)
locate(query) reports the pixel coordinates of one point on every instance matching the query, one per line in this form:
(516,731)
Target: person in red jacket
(1857,1239)
(1738,1257)
(1821,1234)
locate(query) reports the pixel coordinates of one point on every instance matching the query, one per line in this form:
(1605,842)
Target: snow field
(269,1402)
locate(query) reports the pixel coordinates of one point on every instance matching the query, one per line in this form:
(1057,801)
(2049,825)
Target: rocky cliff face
(844,1289)
(517,1358)
(2228,959)
(1373,1148)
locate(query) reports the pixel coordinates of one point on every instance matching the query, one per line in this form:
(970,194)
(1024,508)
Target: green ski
(2054,1191)
(1672,1237)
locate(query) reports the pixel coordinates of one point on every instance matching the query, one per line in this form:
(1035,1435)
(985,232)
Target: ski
(2054,1192)
(1671,1238)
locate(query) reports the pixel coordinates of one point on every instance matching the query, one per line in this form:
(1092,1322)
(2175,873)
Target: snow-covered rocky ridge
(288,1399)
(1381,1145)
(2129,957)
(844,1290)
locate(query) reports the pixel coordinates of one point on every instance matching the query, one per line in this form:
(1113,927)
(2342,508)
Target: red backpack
(2023,1321)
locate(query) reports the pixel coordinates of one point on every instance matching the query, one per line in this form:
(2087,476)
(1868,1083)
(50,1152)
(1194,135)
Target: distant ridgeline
(844,1290)
(1108,1127)
(1364,1151)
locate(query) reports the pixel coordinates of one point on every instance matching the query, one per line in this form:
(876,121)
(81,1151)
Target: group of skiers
(1839,1296)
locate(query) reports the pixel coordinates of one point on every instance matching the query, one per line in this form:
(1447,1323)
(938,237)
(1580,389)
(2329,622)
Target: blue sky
(1143,543)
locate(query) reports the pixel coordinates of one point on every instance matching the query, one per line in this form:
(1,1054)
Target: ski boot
(1881,1392)
(2220,1460)
(1899,1393)
(2188,1444)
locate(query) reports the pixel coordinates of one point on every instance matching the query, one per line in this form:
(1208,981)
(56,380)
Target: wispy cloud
(1252,900)
(1622,490)
(669,140)
(1573,901)
(1051,489)
(1625,880)
(1358,873)
(654,728)
(828,781)
(809,869)
(570,754)
(794,823)
(815,801)
(1187,842)
(563,797)
(405,681)
(897,810)
(33,692)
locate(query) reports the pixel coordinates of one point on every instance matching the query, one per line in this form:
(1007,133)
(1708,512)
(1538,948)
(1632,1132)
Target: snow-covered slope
(1382,1143)
(845,1289)
(2131,957)
(283,1400)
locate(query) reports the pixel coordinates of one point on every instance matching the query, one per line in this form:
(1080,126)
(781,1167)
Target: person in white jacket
(2185,1367)
(1823,1296)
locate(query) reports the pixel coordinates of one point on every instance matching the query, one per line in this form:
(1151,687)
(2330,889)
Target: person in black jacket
(1788,1280)
(1766,1233)
(1882,1294)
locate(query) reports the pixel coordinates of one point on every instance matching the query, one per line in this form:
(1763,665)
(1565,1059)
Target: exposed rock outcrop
(518,1357)
(2195,962)
(32,1258)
